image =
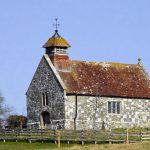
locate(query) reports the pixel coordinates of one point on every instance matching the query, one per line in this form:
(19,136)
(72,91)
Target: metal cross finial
(56,25)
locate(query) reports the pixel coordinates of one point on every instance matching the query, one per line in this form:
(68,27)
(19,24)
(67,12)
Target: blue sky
(97,30)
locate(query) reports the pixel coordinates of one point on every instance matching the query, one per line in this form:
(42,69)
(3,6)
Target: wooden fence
(71,136)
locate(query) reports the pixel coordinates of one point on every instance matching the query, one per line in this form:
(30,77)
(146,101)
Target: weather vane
(56,24)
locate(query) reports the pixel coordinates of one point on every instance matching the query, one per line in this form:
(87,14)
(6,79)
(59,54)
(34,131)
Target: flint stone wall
(92,113)
(45,81)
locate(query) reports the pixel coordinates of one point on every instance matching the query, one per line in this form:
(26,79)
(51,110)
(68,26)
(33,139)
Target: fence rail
(100,136)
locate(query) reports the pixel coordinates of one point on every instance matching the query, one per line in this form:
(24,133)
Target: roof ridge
(107,63)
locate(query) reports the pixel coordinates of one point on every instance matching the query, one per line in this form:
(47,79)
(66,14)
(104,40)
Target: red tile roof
(104,79)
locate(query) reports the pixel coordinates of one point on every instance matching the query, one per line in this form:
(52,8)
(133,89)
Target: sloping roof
(56,41)
(104,79)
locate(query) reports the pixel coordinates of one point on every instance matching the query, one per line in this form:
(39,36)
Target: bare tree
(98,105)
(4,109)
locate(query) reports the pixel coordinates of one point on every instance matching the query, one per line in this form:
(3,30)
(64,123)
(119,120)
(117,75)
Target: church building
(77,95)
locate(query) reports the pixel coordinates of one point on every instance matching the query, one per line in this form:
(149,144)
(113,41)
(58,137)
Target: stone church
(74,94)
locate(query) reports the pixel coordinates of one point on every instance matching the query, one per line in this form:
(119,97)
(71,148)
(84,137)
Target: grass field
(49,146)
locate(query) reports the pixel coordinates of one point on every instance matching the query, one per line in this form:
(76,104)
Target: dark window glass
(114,106)
(43,99)
(118,107)
(109,107)
(46,98)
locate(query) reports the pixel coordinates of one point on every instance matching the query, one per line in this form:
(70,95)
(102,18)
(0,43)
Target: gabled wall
(45,80)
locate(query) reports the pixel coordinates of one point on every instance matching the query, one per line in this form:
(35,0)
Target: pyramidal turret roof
(56,41)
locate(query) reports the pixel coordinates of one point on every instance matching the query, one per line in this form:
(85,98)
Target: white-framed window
(114,107)
(44,99)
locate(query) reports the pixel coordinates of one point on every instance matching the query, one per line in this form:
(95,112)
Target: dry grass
(48,146)
(137,146)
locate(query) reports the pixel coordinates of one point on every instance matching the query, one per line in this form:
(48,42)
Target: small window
(45,99)
(59,50)
(118,107)
(114,107)
(109,107)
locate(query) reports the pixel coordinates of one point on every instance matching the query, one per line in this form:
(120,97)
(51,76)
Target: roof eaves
(94,95)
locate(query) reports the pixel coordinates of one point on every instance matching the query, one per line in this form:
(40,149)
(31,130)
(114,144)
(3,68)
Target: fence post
(110,138)
(141,135)
(17,135)
(94,136)
(29,135)
(4,137)
(42,135)
(55,136)
(124,132)
(67,133)
(127,136)
(58,138)
(82,137)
